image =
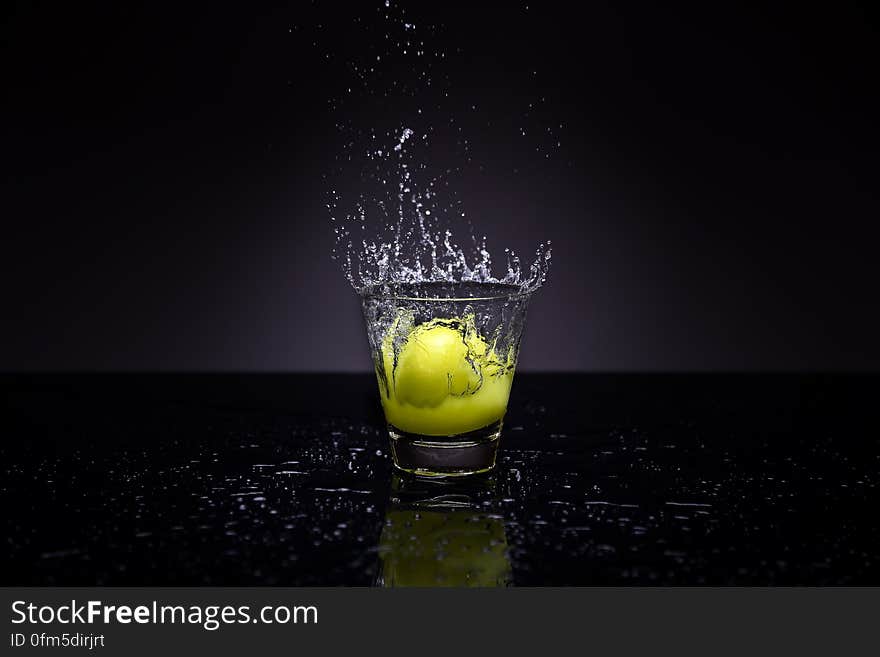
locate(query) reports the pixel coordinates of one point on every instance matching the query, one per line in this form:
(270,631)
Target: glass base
(445,456)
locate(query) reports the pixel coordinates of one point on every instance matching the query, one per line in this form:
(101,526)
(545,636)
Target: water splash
(403,236)
(403,222)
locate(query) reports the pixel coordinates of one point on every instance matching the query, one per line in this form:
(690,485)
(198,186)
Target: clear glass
(445,356)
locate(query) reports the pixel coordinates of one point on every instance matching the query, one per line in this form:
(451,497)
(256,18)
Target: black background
(713,206)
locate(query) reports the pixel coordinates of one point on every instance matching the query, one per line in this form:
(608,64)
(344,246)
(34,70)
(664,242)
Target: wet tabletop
(285,479)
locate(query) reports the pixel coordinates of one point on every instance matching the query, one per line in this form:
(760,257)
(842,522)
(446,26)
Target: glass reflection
(443,533)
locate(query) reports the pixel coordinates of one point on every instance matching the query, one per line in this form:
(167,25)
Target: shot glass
(445,356)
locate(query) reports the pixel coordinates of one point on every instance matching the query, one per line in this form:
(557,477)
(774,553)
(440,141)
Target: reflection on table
(440,533)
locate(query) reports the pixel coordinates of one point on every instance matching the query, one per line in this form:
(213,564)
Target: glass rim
(515,293)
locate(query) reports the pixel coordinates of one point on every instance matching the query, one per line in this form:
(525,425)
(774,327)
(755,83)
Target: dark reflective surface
(446,532)
(285,479)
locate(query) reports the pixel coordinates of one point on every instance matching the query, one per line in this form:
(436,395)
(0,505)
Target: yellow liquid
(446,381)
